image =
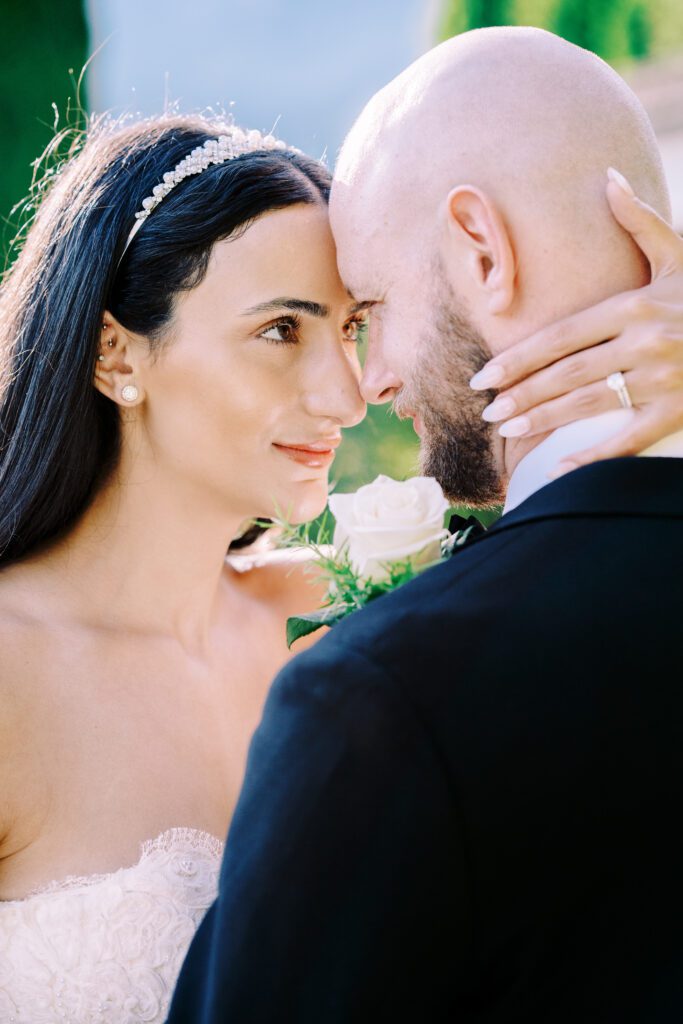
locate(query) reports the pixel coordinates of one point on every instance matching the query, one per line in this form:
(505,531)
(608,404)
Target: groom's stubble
(457,445)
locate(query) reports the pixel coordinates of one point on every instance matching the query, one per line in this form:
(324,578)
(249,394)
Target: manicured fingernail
(618,178)
(501,409)
(489,377)
(516,428)
(560,469)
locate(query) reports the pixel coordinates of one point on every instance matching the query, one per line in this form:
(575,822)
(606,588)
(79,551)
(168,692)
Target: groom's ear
(476,231)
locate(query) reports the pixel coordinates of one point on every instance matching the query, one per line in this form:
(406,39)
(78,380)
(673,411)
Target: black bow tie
(464,529)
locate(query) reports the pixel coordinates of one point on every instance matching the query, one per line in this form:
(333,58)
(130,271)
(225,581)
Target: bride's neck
(148,555)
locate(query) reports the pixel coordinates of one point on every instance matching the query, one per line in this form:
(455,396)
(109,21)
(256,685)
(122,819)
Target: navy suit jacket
(464,803)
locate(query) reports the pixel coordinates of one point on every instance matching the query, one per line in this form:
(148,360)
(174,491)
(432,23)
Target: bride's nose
(333,390)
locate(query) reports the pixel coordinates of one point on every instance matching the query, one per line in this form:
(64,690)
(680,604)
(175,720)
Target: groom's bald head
(472,189)
(519,113)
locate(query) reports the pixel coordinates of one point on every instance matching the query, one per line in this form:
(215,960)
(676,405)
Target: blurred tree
(461,16)
(639,32)
(483,13)
(588,24)
(619,30)
(42,50)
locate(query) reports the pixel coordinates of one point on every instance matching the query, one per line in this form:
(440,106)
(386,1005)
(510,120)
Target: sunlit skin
(135,662)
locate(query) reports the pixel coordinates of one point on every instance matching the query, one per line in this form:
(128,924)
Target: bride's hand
(558,374)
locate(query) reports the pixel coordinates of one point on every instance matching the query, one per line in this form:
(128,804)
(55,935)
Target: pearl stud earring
(129,393)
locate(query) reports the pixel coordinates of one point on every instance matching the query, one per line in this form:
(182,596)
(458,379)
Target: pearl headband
(214,151)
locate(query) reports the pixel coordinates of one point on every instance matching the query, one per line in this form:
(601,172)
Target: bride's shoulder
(26,647)
(16,617)
(22,658)
(18,653)
(283,577)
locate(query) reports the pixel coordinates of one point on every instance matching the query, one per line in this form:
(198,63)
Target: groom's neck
(543,453)
(517,448)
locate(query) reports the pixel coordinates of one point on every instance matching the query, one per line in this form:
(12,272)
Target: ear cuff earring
(129,393)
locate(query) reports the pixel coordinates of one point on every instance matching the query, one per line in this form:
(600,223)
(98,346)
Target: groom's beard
(456,444)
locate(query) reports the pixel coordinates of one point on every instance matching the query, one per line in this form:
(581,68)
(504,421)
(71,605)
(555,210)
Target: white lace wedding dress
(108,948)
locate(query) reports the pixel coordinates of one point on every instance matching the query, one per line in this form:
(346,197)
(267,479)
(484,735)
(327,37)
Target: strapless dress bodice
(108,948)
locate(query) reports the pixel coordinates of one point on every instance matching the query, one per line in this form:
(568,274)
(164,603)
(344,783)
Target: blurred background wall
(306,64)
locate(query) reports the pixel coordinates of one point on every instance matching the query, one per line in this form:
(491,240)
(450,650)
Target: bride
(179,357)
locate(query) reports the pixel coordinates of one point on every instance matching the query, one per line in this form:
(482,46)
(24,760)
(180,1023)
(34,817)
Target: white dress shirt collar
(532,472)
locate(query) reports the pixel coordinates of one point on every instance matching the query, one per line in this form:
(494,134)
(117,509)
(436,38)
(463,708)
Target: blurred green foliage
(619,30)
(394,447)
(383,444)
(42,50)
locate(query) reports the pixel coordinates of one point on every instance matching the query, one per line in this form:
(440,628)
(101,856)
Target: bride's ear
(118,365)
(477,234)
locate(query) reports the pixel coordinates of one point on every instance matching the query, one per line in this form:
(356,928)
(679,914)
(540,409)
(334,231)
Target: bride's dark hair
(59,437)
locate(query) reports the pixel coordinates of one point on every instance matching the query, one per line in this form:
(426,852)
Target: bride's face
(247,400)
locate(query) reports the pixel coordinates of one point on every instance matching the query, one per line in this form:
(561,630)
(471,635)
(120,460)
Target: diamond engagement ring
(616,382)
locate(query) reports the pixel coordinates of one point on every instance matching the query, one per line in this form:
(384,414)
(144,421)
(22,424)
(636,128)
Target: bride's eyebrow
(293,305)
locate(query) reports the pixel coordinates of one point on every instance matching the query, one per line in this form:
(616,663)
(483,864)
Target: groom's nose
(380,383)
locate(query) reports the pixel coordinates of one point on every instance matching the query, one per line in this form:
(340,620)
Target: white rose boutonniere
(386,533)
(387,522)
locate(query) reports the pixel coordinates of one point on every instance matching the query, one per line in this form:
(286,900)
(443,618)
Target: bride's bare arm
(558,374)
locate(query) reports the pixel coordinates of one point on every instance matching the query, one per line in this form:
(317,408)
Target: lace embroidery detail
(194,838)
(108,947)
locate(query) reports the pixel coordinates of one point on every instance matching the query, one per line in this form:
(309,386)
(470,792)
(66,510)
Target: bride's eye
(284,332)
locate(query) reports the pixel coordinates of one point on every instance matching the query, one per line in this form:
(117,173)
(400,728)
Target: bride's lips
(315,454)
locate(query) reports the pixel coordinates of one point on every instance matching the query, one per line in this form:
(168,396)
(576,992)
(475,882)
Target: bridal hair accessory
(214,151)
(616,382)
(129,393)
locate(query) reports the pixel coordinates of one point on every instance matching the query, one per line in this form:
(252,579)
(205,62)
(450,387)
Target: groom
(462,805)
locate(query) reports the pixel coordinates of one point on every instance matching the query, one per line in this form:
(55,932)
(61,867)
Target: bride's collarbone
(97,721)
(89,783)
(91,732)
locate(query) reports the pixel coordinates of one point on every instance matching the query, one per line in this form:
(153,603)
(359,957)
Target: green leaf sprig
(347,591)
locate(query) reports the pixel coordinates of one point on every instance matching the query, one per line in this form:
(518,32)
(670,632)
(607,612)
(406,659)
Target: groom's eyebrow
(358,307)
(294,305)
